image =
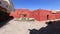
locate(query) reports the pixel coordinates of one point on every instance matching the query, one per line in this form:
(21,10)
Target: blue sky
(36,4)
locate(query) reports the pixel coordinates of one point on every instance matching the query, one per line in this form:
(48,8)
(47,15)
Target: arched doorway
(24,16)
(47,17)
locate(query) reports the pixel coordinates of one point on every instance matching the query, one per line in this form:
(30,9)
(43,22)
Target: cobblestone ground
(21,27)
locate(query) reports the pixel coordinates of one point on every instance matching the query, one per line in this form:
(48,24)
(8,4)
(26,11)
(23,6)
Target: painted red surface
(21,13)
(58,14)
(39,14)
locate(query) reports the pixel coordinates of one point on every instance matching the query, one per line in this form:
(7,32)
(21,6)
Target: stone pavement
(21,27)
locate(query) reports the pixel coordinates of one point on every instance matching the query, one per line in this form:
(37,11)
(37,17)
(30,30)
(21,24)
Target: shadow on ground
(2,23)
(4,18)
(51,28)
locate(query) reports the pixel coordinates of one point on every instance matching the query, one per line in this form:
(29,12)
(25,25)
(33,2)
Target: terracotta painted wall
(53,16)
(18,13)
(44,14)
(39,14)
(35,15)
(58,14)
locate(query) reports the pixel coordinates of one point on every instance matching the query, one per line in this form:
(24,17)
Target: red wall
(18,13)
(58,14)
(39,14)
(53,16)
(35,14)
(43,14)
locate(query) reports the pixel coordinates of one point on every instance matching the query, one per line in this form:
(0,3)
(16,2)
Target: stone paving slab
(21,27)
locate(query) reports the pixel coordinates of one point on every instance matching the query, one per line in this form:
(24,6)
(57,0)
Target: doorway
(47,17)
(23,16)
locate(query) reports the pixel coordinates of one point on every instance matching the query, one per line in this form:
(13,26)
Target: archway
(24,16)
(47,17)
